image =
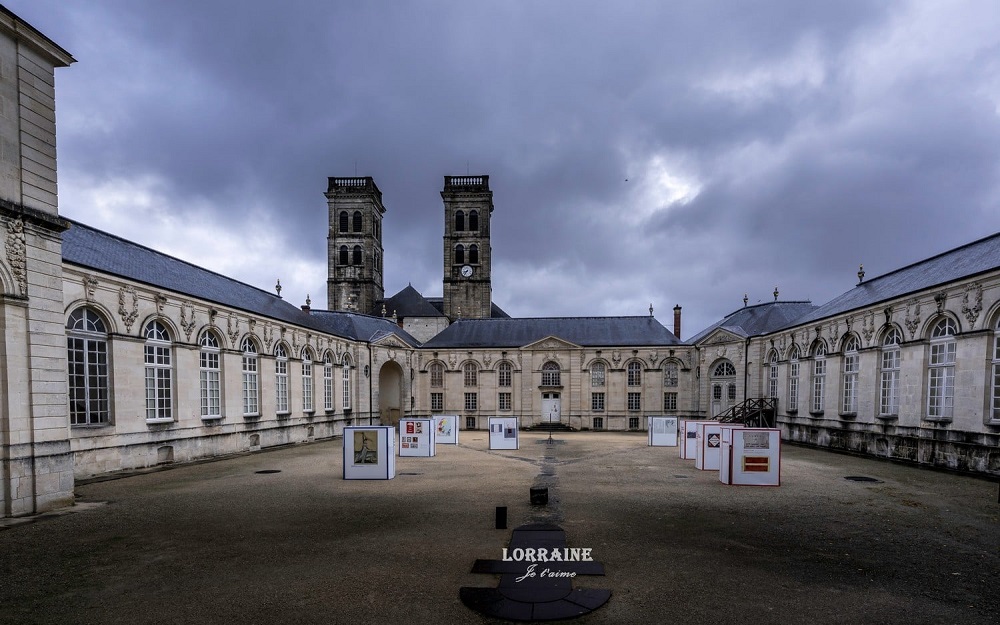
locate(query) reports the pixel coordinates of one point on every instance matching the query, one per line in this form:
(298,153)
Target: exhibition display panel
(416,437)
(662,431)
(446,429)
(751,456)
(369,452)
(503,433)
(709,438)
(689,435)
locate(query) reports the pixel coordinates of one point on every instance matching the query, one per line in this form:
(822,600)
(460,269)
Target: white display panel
(752,457)
(689,435)
(446,429)
(662,431)
(503,433)
(416,437)
(709,437)
(369,452)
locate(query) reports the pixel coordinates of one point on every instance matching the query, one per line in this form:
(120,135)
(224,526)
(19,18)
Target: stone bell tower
(354,245)
(468,204)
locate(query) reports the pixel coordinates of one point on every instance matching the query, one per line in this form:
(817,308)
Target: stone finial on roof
(775,293)
(277,287)
(861,274)
(745,299)
(651,309)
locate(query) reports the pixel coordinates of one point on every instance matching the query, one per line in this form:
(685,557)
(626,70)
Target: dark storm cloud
(682,152)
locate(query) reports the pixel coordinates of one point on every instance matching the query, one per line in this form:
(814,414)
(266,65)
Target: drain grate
(268,471)
(861,478)
(409,473)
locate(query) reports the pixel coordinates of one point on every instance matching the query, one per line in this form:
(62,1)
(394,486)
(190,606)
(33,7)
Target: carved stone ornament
(17,256)
(128,306)
(720,352)
(834,332)
(187,320)
(972,303)
(868,326)
(653,357)
(452,360)
(268,336)
(940,300)
(212,314)
(295,342)
(912,320)
(616,358)
(233,329)
(392,354)
(849,320)
(161,301)
(420,361)
(251,325)
(487,359)
(90,287)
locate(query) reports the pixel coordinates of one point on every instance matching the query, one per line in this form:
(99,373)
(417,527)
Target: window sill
(214,417)
(792,412)
(848,415)
(938,419)
(98,426)
(309,413)
(815,413)
(252,416)
(887,417)
(158,421)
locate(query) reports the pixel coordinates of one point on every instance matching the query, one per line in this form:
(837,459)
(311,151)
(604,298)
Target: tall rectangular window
(87,356)
(307,386)
(793,386)
(437,375)
(504,371)
(280,380)
(635,401)
(818,384)
(504,401)
(850,404)
(597,374)
(996,375)
(889,383)
(597,402)
(941,383)
(346,385)
(327,384)
(251,405)
(670,374)
(437,402)
(670,401)
(159,391)
(471,401)
(210,383)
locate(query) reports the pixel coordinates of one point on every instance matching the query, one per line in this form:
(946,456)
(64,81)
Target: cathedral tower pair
(354,246)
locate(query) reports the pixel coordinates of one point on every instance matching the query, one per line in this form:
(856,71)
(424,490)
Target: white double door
(550,408)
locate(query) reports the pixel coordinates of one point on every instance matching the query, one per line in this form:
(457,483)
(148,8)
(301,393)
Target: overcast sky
(639,152)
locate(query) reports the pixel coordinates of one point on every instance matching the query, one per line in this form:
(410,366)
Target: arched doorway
(723,387)
(390,393)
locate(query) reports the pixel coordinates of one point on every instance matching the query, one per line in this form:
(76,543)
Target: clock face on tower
(466,271)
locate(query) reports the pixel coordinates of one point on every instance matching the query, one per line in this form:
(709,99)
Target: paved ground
(220,543)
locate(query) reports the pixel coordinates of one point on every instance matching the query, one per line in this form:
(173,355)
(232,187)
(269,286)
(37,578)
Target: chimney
(677,322)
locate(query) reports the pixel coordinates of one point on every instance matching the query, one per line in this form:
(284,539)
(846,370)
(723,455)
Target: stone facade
(467,255)
(354,245)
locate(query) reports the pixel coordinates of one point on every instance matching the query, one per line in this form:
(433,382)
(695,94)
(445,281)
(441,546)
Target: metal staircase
(756,412)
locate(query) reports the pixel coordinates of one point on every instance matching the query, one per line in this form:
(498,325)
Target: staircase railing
(756,412)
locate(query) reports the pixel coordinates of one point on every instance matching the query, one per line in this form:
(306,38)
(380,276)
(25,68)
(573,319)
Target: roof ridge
(928,259)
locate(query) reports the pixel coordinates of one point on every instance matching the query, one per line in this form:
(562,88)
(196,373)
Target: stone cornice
(33,215)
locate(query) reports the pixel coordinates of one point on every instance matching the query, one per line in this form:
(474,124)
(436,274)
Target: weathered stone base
(35,478)
(938,447)
(104,454)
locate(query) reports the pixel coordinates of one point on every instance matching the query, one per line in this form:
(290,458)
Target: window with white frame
(995,406)
(634,370)
(504,401)
(818,378)
(307,381)
(87,360)
(159,373)
(550,374)
(724,369)
(889,374)
(849,381)
(504,374)
(437,402)
(670,374)
(437,375)
(251,384)
(345,400)
(634,401)
(327,382)
(793,380)
(670,401)
(772,376)
(210,376)
(941,370)
(597,401)
(731,392)
(280,379)
(597,374)
(470,374)
(471,401)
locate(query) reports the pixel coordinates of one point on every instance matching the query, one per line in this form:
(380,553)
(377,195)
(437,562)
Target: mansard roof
(962,262)
(583,331)
(758,319)
(94,249)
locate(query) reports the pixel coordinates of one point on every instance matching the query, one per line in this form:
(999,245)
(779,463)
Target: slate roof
(495,311)
(410,303)
(758,319)
(966,261)
(94,249)
(584,331)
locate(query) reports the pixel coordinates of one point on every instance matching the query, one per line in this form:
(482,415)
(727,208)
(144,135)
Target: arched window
(87,356)
(772,375)
(210,372)
(889,377)
(474,221)
(280,379)
(995,409)
(598,374)
(357,222)
(356,256)
(471,374)
(850,375)
(437,375)
(459,254)
(941,370)
(724,369)
(818,377)
(346,378)
(504,374)
(159,373)
(459,221)
(345,256)
(327,382)
(307,381)
(343,221)
(634,373)
(670,370)
(550,374)
(793,379)
(473,254)
(251,384)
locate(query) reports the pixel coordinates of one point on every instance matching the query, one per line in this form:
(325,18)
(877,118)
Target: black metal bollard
(501,517)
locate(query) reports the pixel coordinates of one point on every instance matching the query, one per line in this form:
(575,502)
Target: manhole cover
(268,471)
(862,478)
